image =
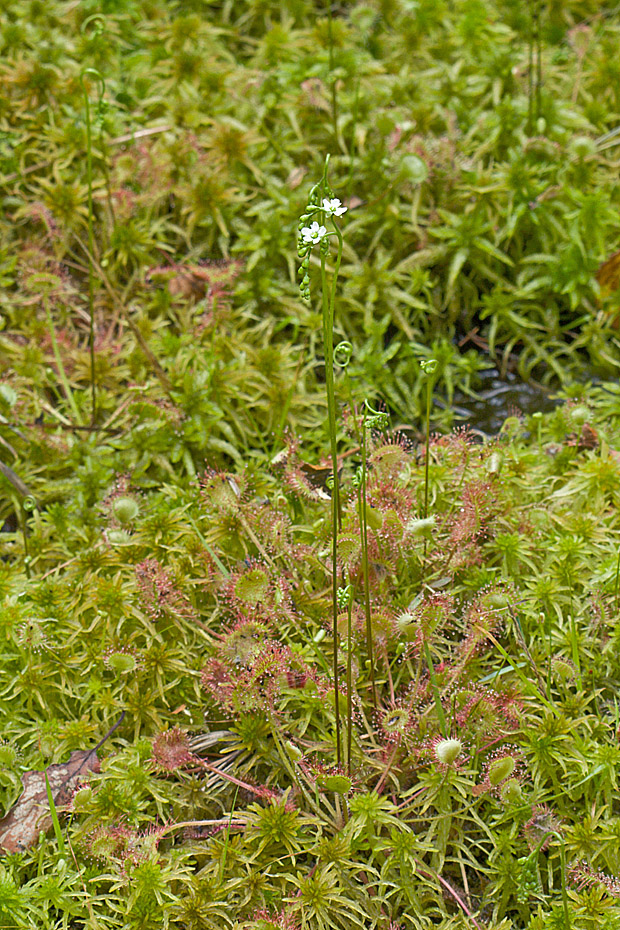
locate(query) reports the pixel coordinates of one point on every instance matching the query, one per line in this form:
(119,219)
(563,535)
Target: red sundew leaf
(30,815)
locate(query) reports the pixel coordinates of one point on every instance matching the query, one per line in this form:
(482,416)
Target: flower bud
(447,751)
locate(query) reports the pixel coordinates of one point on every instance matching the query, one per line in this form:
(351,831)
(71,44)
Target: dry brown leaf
(608,274)
(296,177)
(20,828)
(587,438)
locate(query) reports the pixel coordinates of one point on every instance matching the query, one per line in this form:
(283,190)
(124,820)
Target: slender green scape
(429,367)
(320,194)
(377,420)
(92,72)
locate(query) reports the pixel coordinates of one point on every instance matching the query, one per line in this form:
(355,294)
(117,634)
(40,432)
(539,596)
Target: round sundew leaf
(117,537)
(421,527)
(495,601)
(8,755)
(501,769)
(413,169)
(338,783)
(373,518)
(121,662)
(82,798)
(125,509)
(511,792)
(252,587)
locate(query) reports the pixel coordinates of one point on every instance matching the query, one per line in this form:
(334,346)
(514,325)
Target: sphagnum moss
(204,602)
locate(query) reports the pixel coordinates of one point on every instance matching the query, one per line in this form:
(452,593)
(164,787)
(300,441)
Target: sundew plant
(288,644)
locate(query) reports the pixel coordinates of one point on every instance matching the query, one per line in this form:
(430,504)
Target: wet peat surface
(499,398)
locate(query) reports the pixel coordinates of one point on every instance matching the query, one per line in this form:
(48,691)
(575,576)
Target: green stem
(436,694)
(349,684)
(334,93)
(429,388)
(538,61)
(574,636)
(21,519)
(354,116)
(427,456)
(227,840)
(328,343)
(365,567)
(567,921)
(91,251)
(61,368)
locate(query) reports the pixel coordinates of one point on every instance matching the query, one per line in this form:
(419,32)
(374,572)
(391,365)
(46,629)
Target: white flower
(313,233)
(333,207)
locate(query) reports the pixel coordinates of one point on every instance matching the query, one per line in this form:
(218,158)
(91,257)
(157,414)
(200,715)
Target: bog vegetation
(284,647)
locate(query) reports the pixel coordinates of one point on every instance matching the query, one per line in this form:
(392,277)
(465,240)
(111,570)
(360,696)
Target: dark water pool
(499,398)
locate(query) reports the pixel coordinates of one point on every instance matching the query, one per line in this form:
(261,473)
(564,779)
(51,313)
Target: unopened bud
(447,751)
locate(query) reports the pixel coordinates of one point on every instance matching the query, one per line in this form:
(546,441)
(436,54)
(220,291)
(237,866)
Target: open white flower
(333,207)
(313,233)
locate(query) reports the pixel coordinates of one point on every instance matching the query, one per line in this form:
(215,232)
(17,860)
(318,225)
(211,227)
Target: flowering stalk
(21,509)
(345,599)
(58,359)
(436,695)
(321,201)
(428,367)
(91,251)
(330,22)
(378,420)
